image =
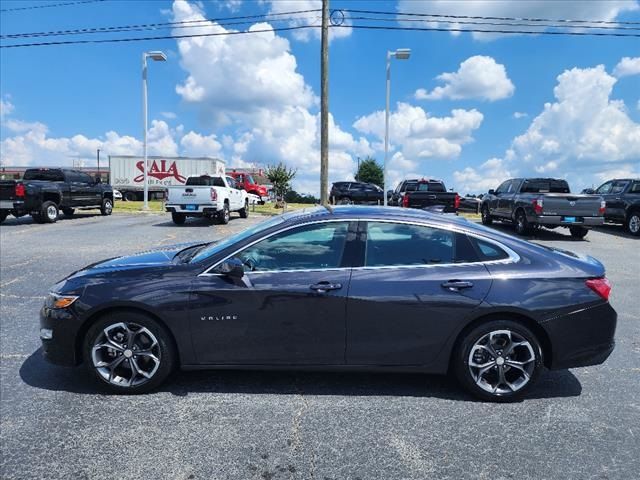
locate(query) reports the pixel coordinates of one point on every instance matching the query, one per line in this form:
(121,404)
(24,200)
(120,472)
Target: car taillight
(537,206)
(405,200)
(603,206)
(456,202)
(214,194)
(19,190)
(601,286)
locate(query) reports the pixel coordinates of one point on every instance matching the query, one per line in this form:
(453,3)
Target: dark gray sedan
(366,288)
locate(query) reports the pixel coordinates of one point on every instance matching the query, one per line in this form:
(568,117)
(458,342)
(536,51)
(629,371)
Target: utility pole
(98,162)
(324,106)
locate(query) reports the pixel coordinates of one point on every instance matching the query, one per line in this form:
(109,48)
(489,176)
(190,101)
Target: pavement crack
(295,440)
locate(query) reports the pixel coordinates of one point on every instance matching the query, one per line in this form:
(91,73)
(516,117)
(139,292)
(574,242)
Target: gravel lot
(583,423)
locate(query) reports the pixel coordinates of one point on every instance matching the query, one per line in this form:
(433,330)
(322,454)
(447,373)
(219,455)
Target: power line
(152,25)
(51,5)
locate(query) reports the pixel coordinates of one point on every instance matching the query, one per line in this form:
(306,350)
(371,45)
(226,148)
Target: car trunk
(7,189)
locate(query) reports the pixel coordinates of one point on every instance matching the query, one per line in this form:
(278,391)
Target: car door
(494,202)
(234,194)
(507,198)
(78,189)
(410,295)
(605,191)
(92,191)
(615,200)
(290,307)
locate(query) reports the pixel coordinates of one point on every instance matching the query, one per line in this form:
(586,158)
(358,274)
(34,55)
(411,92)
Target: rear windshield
(545,186)
(48,175)
(431,187)
(205,181)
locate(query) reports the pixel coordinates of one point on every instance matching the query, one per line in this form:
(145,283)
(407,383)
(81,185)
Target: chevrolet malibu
(359,288)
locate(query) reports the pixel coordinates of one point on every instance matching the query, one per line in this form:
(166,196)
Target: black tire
(523,227)
(487,219)
(224,215)
(68,212)
(164,351)
(130,197)
(344,201)
(633,223)
(49,212)
(3,215)
(244,212)
(107,206)
(578,232)
(468,376)
(178,218)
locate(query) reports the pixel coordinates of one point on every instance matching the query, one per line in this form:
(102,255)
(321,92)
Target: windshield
(216,247)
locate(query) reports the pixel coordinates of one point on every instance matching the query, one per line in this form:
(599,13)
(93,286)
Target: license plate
(570,219)
(191,207)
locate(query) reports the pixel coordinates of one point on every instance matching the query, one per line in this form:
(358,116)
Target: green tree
(280,177)
(369,171)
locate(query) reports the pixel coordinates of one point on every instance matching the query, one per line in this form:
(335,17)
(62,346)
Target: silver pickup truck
(530,203)
(213,197)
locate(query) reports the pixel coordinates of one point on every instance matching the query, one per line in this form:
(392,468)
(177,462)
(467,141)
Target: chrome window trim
(513,257)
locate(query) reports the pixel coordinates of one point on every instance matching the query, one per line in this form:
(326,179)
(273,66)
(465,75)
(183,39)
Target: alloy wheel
(634,224)
(502,362)
(126,354)
(52,212)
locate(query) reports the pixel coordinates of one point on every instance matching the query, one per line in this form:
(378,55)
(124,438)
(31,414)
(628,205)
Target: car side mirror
(492,192)
(97,180)
(232,268)
(589,191)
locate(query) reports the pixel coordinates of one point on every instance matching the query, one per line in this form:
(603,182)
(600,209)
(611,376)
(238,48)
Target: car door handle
(323,287)
(455,285)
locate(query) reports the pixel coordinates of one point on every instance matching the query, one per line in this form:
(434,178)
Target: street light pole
(400,54)
(159,57)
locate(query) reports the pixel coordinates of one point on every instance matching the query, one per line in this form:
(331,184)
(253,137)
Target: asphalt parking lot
(55,422)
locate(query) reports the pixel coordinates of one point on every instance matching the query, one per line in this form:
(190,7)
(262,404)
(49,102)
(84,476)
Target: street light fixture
(399,54)
(158,57)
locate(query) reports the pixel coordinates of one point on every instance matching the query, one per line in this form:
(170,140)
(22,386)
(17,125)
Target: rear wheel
(107,206)
(633,223)
(129,352)
(224,215)
(344,201)
(498,361)
(487,219)
(523,227)
(578,232)
(49,212)
(68,212)
(178,218)
(3,215)
(244,212)
(130,196)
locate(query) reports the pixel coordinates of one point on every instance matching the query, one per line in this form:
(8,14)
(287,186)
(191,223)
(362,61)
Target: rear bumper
(582,338)
(559,220)
(204,209)
(11,205)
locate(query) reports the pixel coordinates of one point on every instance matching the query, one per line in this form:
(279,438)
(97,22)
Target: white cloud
(479,180)
(168,115)
(627,66)
(197,145)
(479,77)
(519,115)
(584,10)
(6,108)
(311,18)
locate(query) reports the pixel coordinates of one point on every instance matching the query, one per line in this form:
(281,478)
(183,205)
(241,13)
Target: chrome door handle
(323,287)
(456,285)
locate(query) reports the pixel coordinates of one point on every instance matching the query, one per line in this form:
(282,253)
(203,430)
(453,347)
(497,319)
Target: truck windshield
(545,186)
(44,174)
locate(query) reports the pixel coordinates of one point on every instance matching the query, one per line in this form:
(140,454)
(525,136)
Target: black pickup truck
(424,193)
(622,197)
(44,192)
(356,193)
(542,202)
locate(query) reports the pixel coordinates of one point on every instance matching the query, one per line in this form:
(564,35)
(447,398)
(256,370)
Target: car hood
(157,257)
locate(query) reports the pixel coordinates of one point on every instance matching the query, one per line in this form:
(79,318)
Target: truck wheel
(3,215)
(107,206)
(487,219)
(68,212)
(244,212)
(578,232)
(49,212)
(633,223)
(178,218)
(224,215)
(344,201)
(523,227)
(130,196)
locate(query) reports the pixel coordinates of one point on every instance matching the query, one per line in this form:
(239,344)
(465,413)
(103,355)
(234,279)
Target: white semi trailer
(126,173)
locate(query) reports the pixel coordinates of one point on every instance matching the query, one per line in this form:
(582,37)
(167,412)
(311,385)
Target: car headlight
(57,301)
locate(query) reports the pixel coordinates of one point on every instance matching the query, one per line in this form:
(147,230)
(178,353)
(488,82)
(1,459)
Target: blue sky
(254,101)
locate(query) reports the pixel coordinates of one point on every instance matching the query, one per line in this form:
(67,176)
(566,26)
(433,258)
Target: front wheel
(498,361)
(523,227)
(244,212)
(487,219)
(633,223)
(107,206)
(129,352)
(578,232)
(224,214)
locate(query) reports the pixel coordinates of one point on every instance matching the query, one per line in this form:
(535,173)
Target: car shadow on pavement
(38,373)
(616,230)
(540,234)
(28,220)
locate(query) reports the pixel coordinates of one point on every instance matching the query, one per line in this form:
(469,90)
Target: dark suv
(356,192)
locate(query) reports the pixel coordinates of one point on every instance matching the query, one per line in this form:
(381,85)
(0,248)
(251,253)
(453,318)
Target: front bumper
(558,220)
(582,338)
(63,326)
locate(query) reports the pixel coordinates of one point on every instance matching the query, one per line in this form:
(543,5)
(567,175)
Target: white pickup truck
(214,197)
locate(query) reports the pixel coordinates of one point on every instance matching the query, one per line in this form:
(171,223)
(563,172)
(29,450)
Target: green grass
(270,208)
(121,206)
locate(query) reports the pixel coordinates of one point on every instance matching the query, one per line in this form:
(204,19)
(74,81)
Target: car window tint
(604,188)
(396,244)
(488,251)
(503,187)
(309,247)
(411,186)
(618,187)
(635,188)
(84,177)
(465,251)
